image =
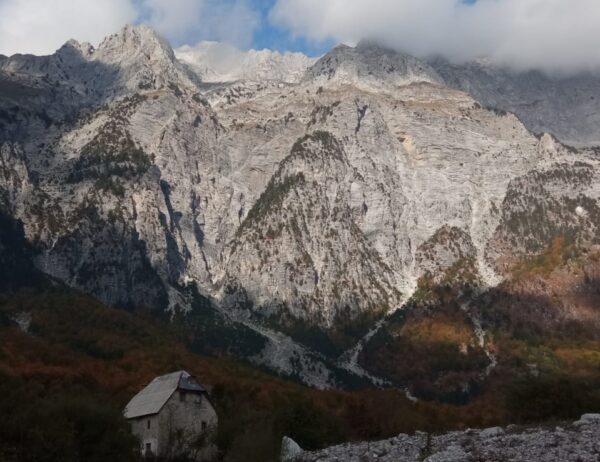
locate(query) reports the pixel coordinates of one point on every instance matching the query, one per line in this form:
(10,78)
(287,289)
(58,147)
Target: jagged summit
(135,59)
(138,39)
(370,64)
(84,49)
(144,58)
(221,62)
(78,77)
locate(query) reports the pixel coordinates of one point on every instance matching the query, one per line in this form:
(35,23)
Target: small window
(204,425)
(182,396)
(148,424)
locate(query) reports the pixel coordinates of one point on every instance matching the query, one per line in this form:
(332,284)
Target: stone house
(172,417)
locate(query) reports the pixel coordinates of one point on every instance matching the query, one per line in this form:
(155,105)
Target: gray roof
(153,397)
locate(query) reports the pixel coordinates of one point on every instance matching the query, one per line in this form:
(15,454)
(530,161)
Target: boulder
(290,450)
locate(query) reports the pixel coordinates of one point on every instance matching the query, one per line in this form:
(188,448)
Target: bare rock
(290,450)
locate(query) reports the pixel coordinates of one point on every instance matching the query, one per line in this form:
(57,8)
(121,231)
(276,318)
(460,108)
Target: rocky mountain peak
(222,62)
(140,39)
(143,59)
(370,65)
(72,46)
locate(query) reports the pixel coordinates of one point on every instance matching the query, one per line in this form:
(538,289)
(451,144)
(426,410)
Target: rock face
(567,107)
(306,210)
(573,442)
(322,265)
(289,450)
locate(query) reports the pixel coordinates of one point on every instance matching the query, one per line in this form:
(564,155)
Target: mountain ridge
(219,62)
(302,212)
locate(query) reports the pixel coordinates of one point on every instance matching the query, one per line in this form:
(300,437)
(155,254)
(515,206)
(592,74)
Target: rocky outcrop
(566,106)
(577,441)
(289,450)
(444,250)
(560,201)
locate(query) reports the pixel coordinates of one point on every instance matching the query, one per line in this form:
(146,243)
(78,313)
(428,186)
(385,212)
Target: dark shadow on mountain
(31,106)
(42,94)
(536,317)
(16,266)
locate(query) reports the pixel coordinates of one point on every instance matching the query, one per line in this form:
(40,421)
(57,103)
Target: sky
(553,35)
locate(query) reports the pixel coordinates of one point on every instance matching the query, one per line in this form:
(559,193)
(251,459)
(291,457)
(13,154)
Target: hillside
(71,353)
(539,328)
(69,363)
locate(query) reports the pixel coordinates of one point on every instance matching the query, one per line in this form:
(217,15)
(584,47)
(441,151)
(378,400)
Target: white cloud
(42,26)
(185,21)
(554,35)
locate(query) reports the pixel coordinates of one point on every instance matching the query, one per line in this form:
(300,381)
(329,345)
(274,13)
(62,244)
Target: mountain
(566,106)
(220,62)
(134,59)
(292,222)
(371,66)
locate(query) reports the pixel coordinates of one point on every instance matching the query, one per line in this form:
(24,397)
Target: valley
(346,247)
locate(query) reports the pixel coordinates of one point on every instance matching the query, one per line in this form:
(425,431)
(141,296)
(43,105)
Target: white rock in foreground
(290,450)
(576,442)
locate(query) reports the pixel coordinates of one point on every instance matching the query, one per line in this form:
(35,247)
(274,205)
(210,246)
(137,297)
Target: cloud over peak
(232,21)
(552,35)
(41,26)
